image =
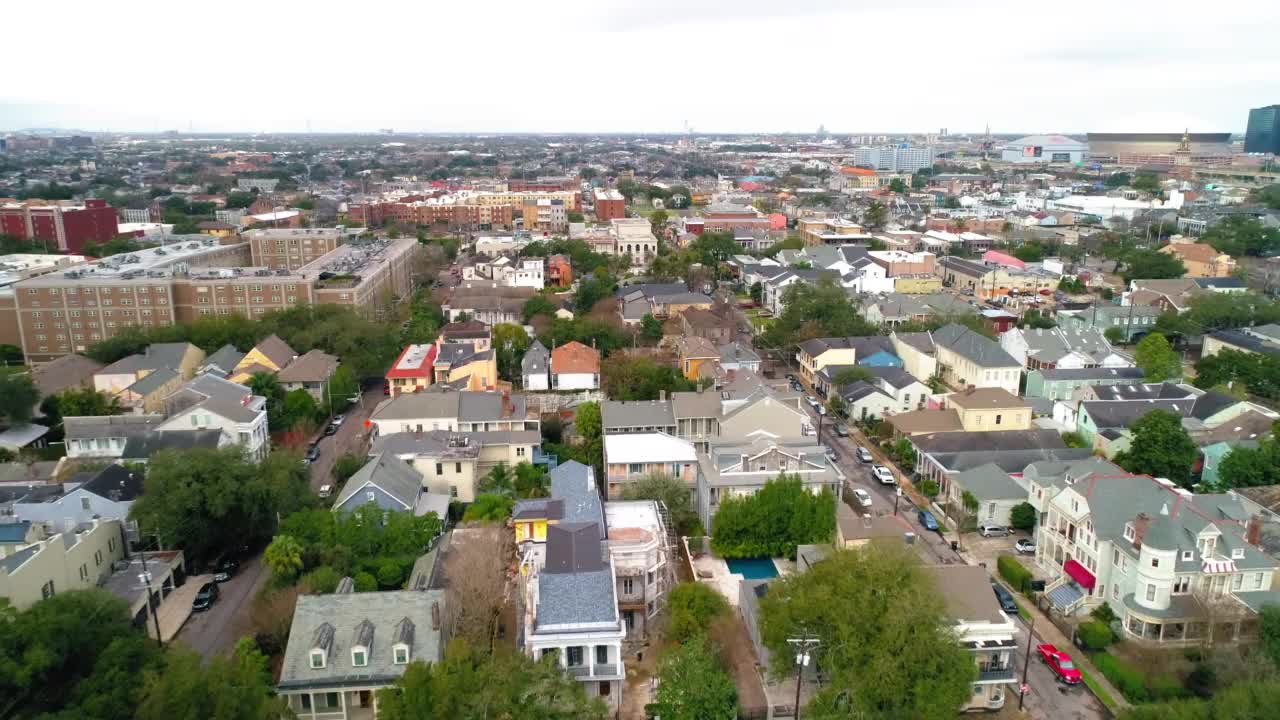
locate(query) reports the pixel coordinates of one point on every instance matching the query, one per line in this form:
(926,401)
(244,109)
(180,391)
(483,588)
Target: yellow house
(694,353)
(270,355)
(990,409)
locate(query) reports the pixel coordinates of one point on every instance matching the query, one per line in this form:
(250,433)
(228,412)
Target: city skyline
(577,67)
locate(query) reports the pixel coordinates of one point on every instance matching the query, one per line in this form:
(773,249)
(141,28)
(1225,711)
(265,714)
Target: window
(46,590)
(1237,581)
(359,658)
(602,654)
(401,654)
(519,452)
(1187,555)
(84,503)
(1155,562)
(1257,581)
(575,656)
(628,585)
(317,659)
(453,491)
(1151,592)
(1237,553)
(998,419)
(370,496)
(439,468)
(1182,584)
(457,467)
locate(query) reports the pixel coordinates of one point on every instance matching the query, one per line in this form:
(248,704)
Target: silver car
(992,530)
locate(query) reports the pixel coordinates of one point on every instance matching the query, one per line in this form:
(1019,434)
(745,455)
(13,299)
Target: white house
(1065,348)
(535,367)
(983,629)
(210,402)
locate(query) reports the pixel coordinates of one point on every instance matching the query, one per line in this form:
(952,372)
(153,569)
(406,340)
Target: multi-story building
(966,358)
(609,205)
(1176,568)
(77,559)
(634,238)
(291,248)
(728,216)
(463,411)
(736,468)
(212,403)
(559,270)
(631,456)
(983,629)
(1263,132)
(546,215)
(64,228)
(489,303)
(894,158)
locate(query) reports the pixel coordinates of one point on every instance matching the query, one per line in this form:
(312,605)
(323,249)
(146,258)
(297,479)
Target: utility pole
(802,645)
(1026,662)
(151,608)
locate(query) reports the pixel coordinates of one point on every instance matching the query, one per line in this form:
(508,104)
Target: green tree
(473,684)
(1158,361)
(670,491)
(1251,466)
(226,688)
(300,409)
(510,342)
(489,507)
(851,375)
(499,481)
(1253,699)
(658,221)
(693,684)
(83,402)
(1146,182)
(898,186)
(1269,632)
(537,305)
(1242,235)
(692,606)
(1114,335)
(203,500)
(757,292)
(268,386)
(284,557)
(650,328)
(1152,265)
(1023,517)
(18,397)
(576,217)
(1073,439)
(627,377)
(773,521)
(1160,448)
(875,215)
(239,199)
(1115,180)
(1034,319)
(813,311)
(910,651)
(531,481)
(587,420)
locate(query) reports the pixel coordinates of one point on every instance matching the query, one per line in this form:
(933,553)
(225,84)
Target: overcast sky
(605,66)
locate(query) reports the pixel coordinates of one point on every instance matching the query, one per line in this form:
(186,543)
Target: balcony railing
(586,672)
(996,673)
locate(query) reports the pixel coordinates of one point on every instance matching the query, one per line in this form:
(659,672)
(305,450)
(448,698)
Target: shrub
(929,488)
(321,581)
(1013,572)
(1023,516)
(1127,679)
(1095,635)
(693,606)
(1165,687)
(1203,680)
(389,574)
(489,508)
(365,582)
(1104,614)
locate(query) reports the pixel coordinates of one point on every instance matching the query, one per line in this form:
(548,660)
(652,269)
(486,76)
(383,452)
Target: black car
(205,597)
(224,568)
(1005,598)
(330,429)
(313,453)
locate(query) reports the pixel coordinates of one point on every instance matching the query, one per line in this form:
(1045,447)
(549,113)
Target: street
(1047,698)
(216,630)
(347,438)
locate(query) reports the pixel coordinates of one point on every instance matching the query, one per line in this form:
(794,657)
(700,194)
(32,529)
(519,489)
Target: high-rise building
(1263,134)
(894,158)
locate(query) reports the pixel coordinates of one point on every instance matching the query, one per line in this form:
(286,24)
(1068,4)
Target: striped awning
(1217,567)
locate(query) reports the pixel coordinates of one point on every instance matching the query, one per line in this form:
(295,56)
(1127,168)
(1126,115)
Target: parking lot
(984,551)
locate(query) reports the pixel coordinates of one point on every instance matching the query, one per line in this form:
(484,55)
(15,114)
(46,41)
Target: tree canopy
(1259,373)
(1157,359)
(812,311)
(672,492)
(367,540)
(904,664)
(693,684)
(18,396)
(1142,264)
(626,377)
(1160,447)
(1241,235)
(773,521)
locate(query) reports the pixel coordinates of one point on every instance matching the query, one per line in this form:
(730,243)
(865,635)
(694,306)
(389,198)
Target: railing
(995,673)
(607,670)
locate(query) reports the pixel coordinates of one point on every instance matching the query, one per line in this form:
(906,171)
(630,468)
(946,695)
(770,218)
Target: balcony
(995,673)
(595,672)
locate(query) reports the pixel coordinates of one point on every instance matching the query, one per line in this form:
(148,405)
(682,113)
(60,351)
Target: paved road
(1046,698)
(216,630)
(347,439)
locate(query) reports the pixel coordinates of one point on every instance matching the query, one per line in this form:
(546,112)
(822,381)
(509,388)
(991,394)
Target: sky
(547,66)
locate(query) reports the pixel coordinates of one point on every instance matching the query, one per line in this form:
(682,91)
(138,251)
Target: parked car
(313,453)
(864,455)
(225,567)
(325,491)
(813,401)
(831,454)
(842,430)
(338,420)
(1060,663)
(862,496)
(792,377)
(330,429)
(1025,546)
(992,530)
(1005,598)
(808,430)
(205,597)
(927,520)
(883,474)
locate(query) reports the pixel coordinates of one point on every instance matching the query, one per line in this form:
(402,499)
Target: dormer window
(359,657)
(1187,555)
(1128,532)
(1237,553)
(401,654)
(317,659)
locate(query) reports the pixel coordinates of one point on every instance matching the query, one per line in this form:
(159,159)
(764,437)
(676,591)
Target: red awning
(1080,574)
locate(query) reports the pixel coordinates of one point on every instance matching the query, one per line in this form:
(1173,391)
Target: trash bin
(955,545)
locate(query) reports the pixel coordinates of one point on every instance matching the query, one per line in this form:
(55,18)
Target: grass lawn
(1097,689)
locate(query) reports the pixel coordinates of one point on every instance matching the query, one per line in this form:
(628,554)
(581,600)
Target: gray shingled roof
(153,381)
(143,446)
(988,482)
(636,413)
(980,349)
(1097,373)
(388,473)
(575,484)
(536,359)
(225,358)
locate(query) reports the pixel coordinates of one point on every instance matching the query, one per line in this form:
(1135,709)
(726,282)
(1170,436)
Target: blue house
(391,484)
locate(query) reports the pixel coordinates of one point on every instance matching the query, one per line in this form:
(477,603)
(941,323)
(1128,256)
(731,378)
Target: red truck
(1060,663)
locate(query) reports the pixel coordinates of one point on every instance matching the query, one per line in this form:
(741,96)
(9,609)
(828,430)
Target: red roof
(865,172)
(574,357)
(777,221)
(999,258)
(414,362)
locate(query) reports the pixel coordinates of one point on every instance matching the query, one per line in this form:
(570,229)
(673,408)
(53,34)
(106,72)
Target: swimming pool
(753,568)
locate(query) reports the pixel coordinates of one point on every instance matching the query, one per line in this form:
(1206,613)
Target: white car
(1026,547)
(813,402)
(325,491)
(883,474)
(863,497)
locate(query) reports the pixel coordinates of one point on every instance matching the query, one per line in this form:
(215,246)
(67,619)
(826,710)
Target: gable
(765,414)
(381,497)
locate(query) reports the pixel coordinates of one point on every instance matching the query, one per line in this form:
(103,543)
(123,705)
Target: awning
(1080,574)
(1217,567)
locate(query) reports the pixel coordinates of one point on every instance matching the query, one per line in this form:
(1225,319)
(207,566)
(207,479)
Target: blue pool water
(754,568)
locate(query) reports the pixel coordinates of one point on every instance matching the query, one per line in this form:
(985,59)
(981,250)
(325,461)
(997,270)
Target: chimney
(662,395)
(1253,531)
(435,616)
(1140,524)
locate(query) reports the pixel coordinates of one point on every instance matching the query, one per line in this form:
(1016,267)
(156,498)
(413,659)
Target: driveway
(216,630)
(349,438)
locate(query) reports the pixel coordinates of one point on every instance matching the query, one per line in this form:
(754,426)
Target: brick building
(609,205)
(63,228)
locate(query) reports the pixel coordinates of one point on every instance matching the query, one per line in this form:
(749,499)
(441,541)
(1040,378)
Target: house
(105,436)
(1201,260)
(1061,384)
(462,366)
(559,270)
(990,409)
(694,353)
(535,367)
(996,491)
(1132,322)
(924,421)
(873,351)
(863,400)
(1176,568)
(737,356)
(572,500)
(1239,341)
(312,372)
(142,381)
(1069,349)
(472,332)
(661,300)
(139,448)
(458,411)
(640,546)
(732,468)
(967,358)
(631,456)
(64,373)
(983,629)
(223,361)
(717,324)
(488,303)
(855,531)
(210,402)
(445,463)
(270,356)
(105,494)
(345,646)
(393,485)
(918,353)
(75,559)
(570,596)
(637,416)
(412,371)
(907,392)
(575,366)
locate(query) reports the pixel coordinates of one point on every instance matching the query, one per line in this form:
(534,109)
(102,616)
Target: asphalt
(349,438)
(216,630)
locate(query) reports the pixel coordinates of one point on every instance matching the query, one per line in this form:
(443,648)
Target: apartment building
(77,559)
(61,227)
(291,248)
(545,215)
(736,468)
(463,411)
(609,204)
(966,358)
